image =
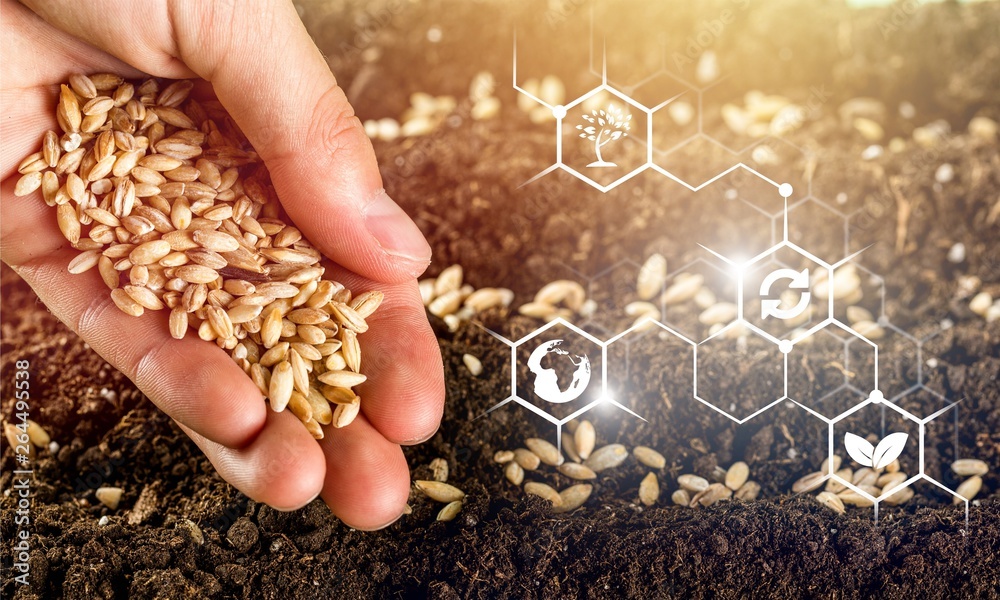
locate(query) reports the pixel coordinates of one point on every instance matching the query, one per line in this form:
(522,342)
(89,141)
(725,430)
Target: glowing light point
(559,111)
(785,190)
(785,346)
(876,397)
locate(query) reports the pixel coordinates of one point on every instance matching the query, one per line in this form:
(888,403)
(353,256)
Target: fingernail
(381,526)
(395,231)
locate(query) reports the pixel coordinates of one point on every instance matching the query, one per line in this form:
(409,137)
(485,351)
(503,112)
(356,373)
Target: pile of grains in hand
(165,196)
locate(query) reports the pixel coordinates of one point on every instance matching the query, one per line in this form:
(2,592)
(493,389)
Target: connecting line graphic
(785,345)
(604,126)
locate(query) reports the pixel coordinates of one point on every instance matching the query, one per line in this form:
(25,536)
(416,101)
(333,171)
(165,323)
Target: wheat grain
(441,492)
(966,467)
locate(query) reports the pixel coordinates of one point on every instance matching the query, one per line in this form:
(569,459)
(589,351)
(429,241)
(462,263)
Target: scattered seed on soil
(585,437)
(652,276)
(450,511)
(543,490)
(737,475)
(854,498)
(900,497)
(710,495)
(545,451)
(681,498)
(966,467)
(831,501)
(573,497)
(577,471)
(649,489)
(442,492)
(569,446)
(503,456)
(514,473)
(472,364)
(439,469)
(825,468)
(528,460)
(692,483)
(607,457)
(748,491)
(649,457)
(109,496)
(37,434)
(808,482)
(968,488)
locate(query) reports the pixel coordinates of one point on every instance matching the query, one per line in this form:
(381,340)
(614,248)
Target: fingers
(29,93)
(283,467)
(192,381)
(268,73)
(404,395)
(367,480)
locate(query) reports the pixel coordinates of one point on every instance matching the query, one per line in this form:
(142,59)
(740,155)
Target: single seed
(178,323)
(864,476)
(344,379)
(966,467)
(808,482)
(899,497)
(84,261)
(450,511)
(652,276)
(441,492)
(577,471)
(831,501)
(584,438)
(545,451)
(448,281)
(607,457)
(569,446)
(692,483)
(968,489)
(649,457)
(503,456)
(710,495)
(854,498)
(528,460)
(825,467)
(126,303)
(109,496)
(681,498)
(890,480)
(649,490)
(748,491)
(37,434)
(514,473)
(439,469)
(737,475)
(684,288)
(473,364)
(564,291)
(573,497)
(281,386)
(543,490)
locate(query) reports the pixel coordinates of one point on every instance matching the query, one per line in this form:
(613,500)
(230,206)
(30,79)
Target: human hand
(268,74)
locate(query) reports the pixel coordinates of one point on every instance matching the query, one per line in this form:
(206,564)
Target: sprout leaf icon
(876,457)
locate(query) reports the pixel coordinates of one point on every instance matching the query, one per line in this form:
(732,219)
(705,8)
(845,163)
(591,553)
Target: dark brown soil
(462,186)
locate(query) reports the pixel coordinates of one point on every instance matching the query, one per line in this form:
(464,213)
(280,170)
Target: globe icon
(547,380)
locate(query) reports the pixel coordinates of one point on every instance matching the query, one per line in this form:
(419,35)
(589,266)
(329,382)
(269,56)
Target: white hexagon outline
(603,398)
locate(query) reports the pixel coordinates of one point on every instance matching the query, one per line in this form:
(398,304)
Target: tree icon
(605,126)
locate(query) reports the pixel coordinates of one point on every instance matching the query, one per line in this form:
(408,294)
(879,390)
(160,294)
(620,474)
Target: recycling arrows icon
(771,307)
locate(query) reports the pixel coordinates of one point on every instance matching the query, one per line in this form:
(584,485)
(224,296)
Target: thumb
(270,76)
